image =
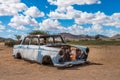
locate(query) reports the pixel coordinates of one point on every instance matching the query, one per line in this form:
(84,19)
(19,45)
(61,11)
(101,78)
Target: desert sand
(104,65)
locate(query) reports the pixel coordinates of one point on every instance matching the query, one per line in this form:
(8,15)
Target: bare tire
(18,56)
(47,60)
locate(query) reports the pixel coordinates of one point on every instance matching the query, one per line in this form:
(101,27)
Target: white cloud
(55,26)
(2,27)
(9,1)
(98,18)
(64,10)
(97,27)
(75,29)
(72,2)
(114,20)
(33,12)
(98,21)
(11,7)
(19,22)
(51,25)
(10,31)
(62,13)
(94,29)
(111,32)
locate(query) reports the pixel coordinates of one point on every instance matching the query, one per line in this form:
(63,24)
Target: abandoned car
(50,49)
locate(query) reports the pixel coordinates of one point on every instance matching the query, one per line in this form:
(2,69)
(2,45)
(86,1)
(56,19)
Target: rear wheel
(18,56)
(47,60)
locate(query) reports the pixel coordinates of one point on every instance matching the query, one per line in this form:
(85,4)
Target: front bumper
(66,64)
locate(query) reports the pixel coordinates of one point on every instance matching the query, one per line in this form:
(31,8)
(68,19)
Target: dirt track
(105,65)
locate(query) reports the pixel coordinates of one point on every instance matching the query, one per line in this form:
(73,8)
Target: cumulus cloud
(9,1)
(10,31)
(20,21)
(51,25)
(11,7)
(72,2)
(94,29)
(22,15)
(80,17)
(114,20)
(54,26)
(2,27)
(33,12)
(62,13)
(64,10)
(99,18)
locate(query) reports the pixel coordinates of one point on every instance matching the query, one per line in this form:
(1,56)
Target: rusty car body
(50,49)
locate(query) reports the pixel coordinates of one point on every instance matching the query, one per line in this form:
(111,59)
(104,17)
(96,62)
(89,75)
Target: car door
(32,52)
(30,49)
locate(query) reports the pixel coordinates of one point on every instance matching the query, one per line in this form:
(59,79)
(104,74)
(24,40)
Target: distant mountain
(117,36)
(101,36)
(78,37)
(74,37)
(2,39)
(5,39)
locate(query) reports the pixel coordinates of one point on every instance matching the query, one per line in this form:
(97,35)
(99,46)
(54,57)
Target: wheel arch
(18,55)
(47,60)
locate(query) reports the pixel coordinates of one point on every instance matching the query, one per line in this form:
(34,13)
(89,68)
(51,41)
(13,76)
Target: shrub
(40,32)
(11,43)
(94,42)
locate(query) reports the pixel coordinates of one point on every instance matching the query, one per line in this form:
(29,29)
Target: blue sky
(89,17)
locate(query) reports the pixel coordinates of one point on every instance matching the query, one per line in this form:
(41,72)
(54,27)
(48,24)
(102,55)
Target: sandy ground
(105,65)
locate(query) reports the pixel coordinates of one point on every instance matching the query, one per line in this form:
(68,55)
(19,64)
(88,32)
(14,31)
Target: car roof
(42,36)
